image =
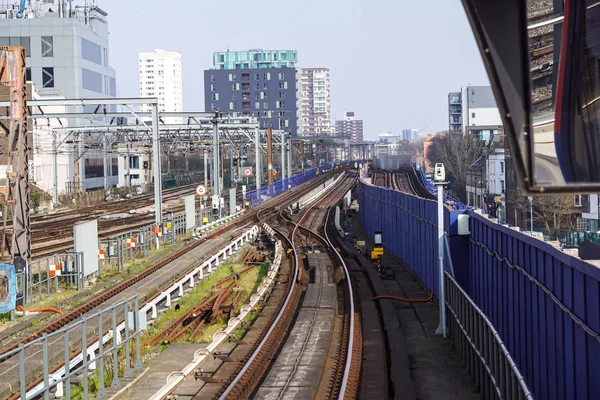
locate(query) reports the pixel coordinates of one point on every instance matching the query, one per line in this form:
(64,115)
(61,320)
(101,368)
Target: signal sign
(247,172)
(201,190)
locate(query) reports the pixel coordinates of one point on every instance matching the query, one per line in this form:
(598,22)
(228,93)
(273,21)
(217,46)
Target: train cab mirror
(543,60)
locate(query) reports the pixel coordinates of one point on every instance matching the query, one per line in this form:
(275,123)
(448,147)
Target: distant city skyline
(394,63)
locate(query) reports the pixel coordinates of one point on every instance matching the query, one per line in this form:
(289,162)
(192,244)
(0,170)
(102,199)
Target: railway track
(106,296)
(340,377)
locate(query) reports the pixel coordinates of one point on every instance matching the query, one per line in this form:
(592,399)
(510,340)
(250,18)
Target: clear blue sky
(392,62)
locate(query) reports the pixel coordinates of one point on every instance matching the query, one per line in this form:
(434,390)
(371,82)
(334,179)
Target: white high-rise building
(314,101)
(161,77)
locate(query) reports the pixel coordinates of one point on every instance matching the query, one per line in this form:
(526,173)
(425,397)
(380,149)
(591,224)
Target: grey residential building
(67,56)
(349,127)
(258,83)
(471,107)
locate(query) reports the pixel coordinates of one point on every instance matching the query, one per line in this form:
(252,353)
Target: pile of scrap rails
(207,310)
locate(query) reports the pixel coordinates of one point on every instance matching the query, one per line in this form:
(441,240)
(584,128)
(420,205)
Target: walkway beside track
(429,367)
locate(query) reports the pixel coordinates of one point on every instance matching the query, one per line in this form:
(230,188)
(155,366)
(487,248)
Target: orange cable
(54,310)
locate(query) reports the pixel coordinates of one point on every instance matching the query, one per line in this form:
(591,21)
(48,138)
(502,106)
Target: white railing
(152,305)
(175,378)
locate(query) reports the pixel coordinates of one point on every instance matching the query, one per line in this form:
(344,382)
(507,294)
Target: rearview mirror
(544,66)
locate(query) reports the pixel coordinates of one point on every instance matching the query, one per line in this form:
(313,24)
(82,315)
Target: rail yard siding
(545,304)
(549,344)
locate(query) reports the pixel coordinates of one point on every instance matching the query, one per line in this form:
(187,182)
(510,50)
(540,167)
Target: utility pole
(215,174)
(157,171)
(288,149)
(13,75)
(205,168)
(270,156)
(283,162)
(106,167)
(55,165)
(258,156)
(303,156)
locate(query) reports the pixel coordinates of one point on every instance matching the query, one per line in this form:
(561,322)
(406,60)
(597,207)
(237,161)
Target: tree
(457,152)
(554,212)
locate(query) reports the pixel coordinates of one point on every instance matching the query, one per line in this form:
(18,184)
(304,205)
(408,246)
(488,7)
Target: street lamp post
(530,198)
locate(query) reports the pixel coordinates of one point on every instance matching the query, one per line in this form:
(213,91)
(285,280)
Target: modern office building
(410,134)
(349,127)
(473,106)
(314,102)
(67,56)
(161,77)
(258,83)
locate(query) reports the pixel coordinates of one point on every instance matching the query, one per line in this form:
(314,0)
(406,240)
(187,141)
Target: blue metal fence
(545,305)
(256,197)
(409,228)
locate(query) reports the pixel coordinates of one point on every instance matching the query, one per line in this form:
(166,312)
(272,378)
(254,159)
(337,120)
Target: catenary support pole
(283,162)
(157,170)
(270,156)
(258,172)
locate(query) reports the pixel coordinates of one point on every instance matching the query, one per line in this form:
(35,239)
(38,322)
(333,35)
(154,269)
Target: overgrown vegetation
(249,281)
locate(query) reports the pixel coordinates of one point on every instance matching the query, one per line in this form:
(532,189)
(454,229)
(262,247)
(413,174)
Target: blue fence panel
(545,305)
(408,225)
(255,197)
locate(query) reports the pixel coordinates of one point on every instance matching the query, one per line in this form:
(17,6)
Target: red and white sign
(131,243)
(201,190)
(247,172)
(55,270)
(101,254)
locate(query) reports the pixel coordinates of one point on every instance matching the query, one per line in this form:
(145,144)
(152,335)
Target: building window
(91,51)
(114,167)
(232,105)
(257,105)
(212,87)
(501,167)
(92,80)
(234,96)
(232,77)
(216,96)
(502,186)
(245,77)
(266,104)
(47,46)
(472,115)
(28,74)
(212,78)
(257,86)
(48,77)
(94,167)
(134,162)
(577,200)
(245,96)
(281,76)
(282,95)
(257,77)
(267,76)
